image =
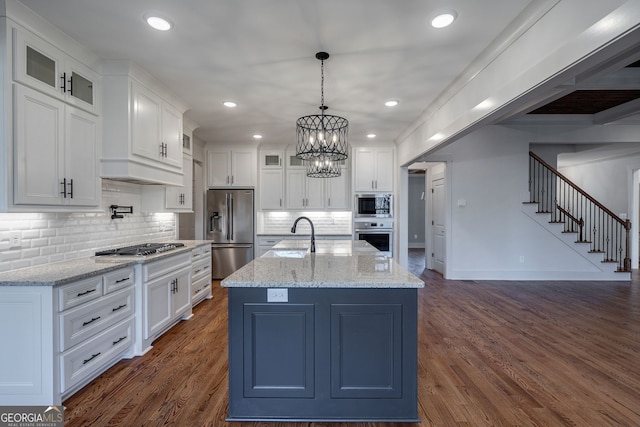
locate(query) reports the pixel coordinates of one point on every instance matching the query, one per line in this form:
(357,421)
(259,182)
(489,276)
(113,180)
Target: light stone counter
(60,273)
(336,264)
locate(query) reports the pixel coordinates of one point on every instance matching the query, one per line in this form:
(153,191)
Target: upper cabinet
(143,136)
(373,169)
(44,67)
(56,155)
(231,168)
(50,98)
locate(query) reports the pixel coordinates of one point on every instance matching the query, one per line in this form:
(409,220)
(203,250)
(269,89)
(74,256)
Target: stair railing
(580,213)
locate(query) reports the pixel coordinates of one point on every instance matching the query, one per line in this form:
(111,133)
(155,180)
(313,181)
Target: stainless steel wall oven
(378,234)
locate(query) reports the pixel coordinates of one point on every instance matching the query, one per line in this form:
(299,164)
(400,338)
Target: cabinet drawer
(118,279)
(82,322)
(165,266)
(200,287)
(86,359)
(79,292)
(201,269)
(201,253)
(270,241)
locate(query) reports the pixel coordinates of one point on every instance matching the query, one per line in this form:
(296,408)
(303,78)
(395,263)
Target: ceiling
(261,55)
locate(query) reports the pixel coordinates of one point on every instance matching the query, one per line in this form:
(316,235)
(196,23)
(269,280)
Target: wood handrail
(625,223)
(580,221)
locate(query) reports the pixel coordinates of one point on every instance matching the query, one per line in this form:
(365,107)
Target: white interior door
(438,222)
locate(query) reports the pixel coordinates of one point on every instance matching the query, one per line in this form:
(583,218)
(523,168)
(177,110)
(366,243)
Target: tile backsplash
(280,222)
(52,237)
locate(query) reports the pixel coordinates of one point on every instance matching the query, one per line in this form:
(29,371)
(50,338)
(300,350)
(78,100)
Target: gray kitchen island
(324,336)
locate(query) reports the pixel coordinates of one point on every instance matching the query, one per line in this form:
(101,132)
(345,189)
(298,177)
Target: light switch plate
(278,295)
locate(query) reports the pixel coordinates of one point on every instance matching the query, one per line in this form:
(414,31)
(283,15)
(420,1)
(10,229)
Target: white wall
(53,237)
(490,234)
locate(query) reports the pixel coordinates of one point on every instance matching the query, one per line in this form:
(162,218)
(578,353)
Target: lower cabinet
(325,355)
(200,274)
(165,298)
(62,337)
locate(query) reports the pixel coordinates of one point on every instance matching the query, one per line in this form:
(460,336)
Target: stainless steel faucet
(313,233)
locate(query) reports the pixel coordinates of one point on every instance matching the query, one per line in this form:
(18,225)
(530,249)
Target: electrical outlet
(15,240)
(278,295)
(521,259)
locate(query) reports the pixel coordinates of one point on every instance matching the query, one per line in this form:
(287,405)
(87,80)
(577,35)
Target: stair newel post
(627,260)
(581,224)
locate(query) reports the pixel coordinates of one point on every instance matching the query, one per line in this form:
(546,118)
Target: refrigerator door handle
(231,216)
(227,235)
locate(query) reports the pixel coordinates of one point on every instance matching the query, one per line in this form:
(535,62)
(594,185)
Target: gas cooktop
(141,250)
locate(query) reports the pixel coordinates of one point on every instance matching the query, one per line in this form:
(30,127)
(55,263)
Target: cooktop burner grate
(141,249)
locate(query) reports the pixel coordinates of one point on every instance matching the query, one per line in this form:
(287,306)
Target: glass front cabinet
(46,68)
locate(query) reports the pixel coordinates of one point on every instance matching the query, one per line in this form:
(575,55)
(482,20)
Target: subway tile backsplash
(280,222)
(53,237)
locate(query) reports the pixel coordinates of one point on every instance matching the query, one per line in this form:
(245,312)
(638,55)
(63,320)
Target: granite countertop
(60,273)
(335,264)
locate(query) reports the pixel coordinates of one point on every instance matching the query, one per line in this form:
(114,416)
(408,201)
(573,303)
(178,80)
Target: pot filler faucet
(313,233)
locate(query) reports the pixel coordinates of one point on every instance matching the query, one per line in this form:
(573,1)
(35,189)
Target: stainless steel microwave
(374,206)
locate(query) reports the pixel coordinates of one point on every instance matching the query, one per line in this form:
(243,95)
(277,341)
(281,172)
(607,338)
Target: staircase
(579,220)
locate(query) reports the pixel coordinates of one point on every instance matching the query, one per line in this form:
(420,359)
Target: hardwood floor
(491,353)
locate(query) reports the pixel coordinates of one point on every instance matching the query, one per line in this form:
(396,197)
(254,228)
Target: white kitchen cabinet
(304,192)
(56,152)
(181,198)
(337,194)
(200,274)
(157,127)
(271,159)
(142,123)
(64,336)
(44,67)
(271,189)
(165,298)
(374,169)
(231,168)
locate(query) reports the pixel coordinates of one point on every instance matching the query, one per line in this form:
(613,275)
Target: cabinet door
(182,197)
(81,86)
(271,193)
(337,196)
(384,170)
(146,127)
(38,158)
(243,168)
(157,306)
(218,163)
(81,158)
(37,63)
(365,170)
(271,160)
(314,192)
(296,189)
(172,135)
(181,293)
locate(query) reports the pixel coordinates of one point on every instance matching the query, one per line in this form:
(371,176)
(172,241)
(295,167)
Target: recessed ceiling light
(371,135)
(229,104)
(158,22)
(391,103)
(257,136)
(444,18)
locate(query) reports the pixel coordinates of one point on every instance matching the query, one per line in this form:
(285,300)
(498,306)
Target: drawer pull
(84,362)
(197,271)
(122,280)
(197,291)
(119,307)
(90,321)
(120,339)
(86,292)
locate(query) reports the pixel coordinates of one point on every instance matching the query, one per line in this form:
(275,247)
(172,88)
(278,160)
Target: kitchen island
(324,336)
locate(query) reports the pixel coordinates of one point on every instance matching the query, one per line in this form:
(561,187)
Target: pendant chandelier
(322,138)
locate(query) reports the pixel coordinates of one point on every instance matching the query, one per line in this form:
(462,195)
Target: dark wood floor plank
(490,353)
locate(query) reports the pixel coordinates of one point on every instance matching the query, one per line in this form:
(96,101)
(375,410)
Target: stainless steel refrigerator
(230,226)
